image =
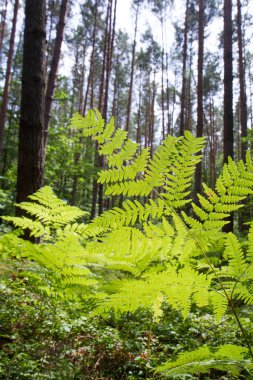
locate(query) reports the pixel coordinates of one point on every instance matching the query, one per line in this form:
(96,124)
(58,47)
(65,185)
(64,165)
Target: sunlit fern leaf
(48,209)
(115,143)
(130,213)
(236,261)
(244,291)
(127,172)
(219,303)
(90,125)
(126,154)
(230,358)
(232,186)
(130,188)
(36,228)
(107,133)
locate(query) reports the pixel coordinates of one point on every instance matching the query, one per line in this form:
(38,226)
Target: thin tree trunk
(200,112)
(91,70)
(228,144)
(97,191)
(184,79)
(110,47)
(53,70)
(243,97)
(31,130)
(130,93)
(2,26)
(83,107)
(228,147)
(4,106)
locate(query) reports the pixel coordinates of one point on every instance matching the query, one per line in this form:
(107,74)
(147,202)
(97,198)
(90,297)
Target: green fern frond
(130,188)
(130,213)
(177,288)
(114,144)
(232,187)
(228,357)
(219,303)
(127,153)
(138,165)
(49,209)
(90,125)
(236,261)
(244,291)
(36,228)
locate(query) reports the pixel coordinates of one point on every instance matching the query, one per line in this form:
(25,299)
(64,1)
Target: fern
(49,212)
(228,357)
(133,174)
(146,253)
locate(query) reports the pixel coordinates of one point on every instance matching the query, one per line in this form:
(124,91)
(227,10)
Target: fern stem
(229,299)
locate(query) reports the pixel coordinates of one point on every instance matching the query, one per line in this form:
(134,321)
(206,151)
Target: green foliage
(48,213)
(226,358)
(147,254)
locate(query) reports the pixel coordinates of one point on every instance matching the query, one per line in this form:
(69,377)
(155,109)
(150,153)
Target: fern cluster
(149,251)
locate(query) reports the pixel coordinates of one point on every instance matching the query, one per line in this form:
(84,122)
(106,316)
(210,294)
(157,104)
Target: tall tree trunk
(110,47)
(103,97)
(188,108)
(53,69)
(31,129)
(184,79)
(200,112)
(243,98)
(84,106)
(228,147)
(91,69)
(228,143)
(2,26)
(4,106)
(130,93)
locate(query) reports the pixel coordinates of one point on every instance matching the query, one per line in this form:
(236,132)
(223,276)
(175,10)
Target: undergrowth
(148,255)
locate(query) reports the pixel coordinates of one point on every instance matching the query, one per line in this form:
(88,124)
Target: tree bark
(31,128)
(228,144)
(243,97)
(8,77)
(200,112)
(183,91)
(228,137)
(2,25)
(54,67)
(130,93)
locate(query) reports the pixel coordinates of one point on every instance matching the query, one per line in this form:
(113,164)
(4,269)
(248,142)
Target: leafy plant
(150,252)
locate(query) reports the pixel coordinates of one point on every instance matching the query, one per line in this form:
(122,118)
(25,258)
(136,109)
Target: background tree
(31,130)
(200,111)
(228,133)
(4,106)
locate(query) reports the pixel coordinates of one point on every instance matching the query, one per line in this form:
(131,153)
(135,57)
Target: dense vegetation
(126,242)
(120,295)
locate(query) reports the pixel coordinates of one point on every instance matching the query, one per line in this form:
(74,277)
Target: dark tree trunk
(200,113)
(228,147)
(188,108)
(243,98)
(91,69)
(31,129)
(103,96)
(2,26)
(228,144)
(83,107)
(54,67)
(184,79)
(4,106)
(130,93)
